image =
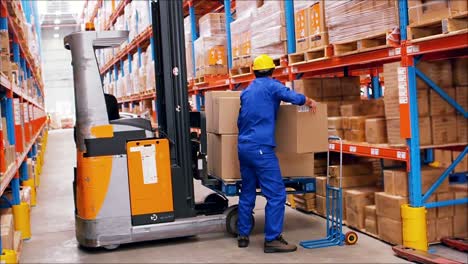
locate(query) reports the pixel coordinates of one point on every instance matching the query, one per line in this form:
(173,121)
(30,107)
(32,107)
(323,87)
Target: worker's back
(259,105)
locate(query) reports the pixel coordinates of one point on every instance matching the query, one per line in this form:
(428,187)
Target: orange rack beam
(117,12)
(370,150)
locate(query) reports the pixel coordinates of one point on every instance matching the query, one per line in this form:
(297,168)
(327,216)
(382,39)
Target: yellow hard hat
(263,62)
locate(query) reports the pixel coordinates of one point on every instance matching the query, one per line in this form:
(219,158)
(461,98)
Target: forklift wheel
(231,221)
(351,238)
(111,247)
(220,202)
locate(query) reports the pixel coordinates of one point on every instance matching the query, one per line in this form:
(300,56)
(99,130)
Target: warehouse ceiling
(60,13)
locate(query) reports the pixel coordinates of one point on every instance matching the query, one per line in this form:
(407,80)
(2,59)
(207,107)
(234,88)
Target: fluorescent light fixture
(56,28)
(57,21)
(56,35)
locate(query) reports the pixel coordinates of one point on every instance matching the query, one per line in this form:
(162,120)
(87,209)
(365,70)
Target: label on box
(303,109)
(314,20)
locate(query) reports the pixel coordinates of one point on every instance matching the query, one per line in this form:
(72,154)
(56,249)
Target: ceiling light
(56,35)
(56,28)
(57,21)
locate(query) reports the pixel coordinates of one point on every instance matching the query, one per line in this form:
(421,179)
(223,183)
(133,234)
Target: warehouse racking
(22,105)
(370,62)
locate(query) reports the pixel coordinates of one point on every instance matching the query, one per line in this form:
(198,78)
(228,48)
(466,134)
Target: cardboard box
(321,186)
(351,170)
(210,106)
(318,34)
(371,226)
(293,128)
(460,228)
(7,230)
(459,66)
(445,211)
(431,230)
(321,204)
(311,88)
(444,227)
(444,157)
(396,182)
(350,109)
(223,159)
(425,135)
(393,131)
(296,165)
(438,106)
(461,96)
(4,42)
(442,128)
(358,181)
(226,112)
(355,135)
(371,211)
(302,30)
(376,130)
(333,107)
(389,205)
(429,175)
(462,129)
(431,213)
(461,209)
(356,200)
(351,86)
(335,122)
(357,122)
(336,133)
(390,230)
(331,87)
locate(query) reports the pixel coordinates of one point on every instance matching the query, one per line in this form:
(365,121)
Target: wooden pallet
(150,91)
(435,29)
(241,71)
(315,54)
(374,42)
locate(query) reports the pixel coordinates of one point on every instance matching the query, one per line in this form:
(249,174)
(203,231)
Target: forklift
(132,183)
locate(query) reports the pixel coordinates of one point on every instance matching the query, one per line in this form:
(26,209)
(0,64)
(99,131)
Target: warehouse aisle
(53,237)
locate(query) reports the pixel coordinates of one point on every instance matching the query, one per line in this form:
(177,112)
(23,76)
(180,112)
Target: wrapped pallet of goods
(349,32)
(210,47)
(241,45)
(188,47)
(268,30)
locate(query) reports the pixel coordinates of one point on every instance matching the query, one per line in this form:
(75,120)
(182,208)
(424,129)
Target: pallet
(440,28)
(315,54)
(241,71)
(374,42)
(146,92)
(231,187)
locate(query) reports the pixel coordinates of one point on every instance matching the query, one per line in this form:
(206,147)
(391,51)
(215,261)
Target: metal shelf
(6,84)
(119,10)
(18,35)
(142,40)
(138,97)
(13,169)
(380,151)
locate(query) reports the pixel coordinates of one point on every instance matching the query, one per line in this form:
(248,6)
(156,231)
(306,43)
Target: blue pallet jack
(334,213)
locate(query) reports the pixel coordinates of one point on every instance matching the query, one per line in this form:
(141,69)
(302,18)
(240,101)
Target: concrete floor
(53,231)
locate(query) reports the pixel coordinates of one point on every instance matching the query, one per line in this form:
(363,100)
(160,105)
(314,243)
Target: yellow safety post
(414,227)
(31,183)
(21,214)
(8,256)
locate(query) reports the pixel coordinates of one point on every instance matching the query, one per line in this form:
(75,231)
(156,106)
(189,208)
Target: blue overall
(256,149)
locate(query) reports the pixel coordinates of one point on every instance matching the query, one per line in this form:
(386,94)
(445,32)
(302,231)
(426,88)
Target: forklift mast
(172,99)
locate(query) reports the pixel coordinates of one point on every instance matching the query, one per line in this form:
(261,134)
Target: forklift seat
(112,107)
(114,117)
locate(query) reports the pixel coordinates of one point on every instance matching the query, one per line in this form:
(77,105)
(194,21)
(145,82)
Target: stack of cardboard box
(388,205)
(421,11)
(460,218)
(357,199)
(7,229)
(5,63)
(305,202)
(311,31)
(446,157)
(222,110)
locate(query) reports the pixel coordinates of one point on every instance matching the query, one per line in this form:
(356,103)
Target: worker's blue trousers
(259,164)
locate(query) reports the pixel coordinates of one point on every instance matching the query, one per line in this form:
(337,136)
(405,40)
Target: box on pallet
(421,11)
(370,223)
(388,205)
(241,45)
(442,128)
(459,66)
(210,109)
(293,129)
(223,159)
(376,130)
(210,56)
(390,230)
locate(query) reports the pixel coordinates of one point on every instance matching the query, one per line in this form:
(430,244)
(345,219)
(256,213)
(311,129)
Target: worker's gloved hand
(311,103)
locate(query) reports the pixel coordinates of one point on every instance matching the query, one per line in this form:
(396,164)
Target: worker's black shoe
(279,245)
(242,241)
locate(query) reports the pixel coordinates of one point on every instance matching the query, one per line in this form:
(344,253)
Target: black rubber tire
(231,221)
(219,200)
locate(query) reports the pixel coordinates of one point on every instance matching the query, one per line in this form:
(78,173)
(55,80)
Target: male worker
(256,148)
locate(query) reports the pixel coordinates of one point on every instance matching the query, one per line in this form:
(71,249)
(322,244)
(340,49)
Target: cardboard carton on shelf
(7,229)
(394,137)
(396,182)
(351,170)
(445,211)
(376,130)
(444,227)
(320,204)
(460,228)
(371,220)
(462,129)
(355,135)
(431,229)
(442,128)
(293,128)
(389,205)
(335,122)
(302,30)
(356,200)
(438,106)
(390,230)
(357,181)
(459,66)
(321,185)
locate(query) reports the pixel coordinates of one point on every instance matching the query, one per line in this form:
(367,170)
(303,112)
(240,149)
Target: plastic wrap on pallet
(212,24)
(269,32)
(422,11)
(353,20)
(241,40)
(246,7)
(210,54)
